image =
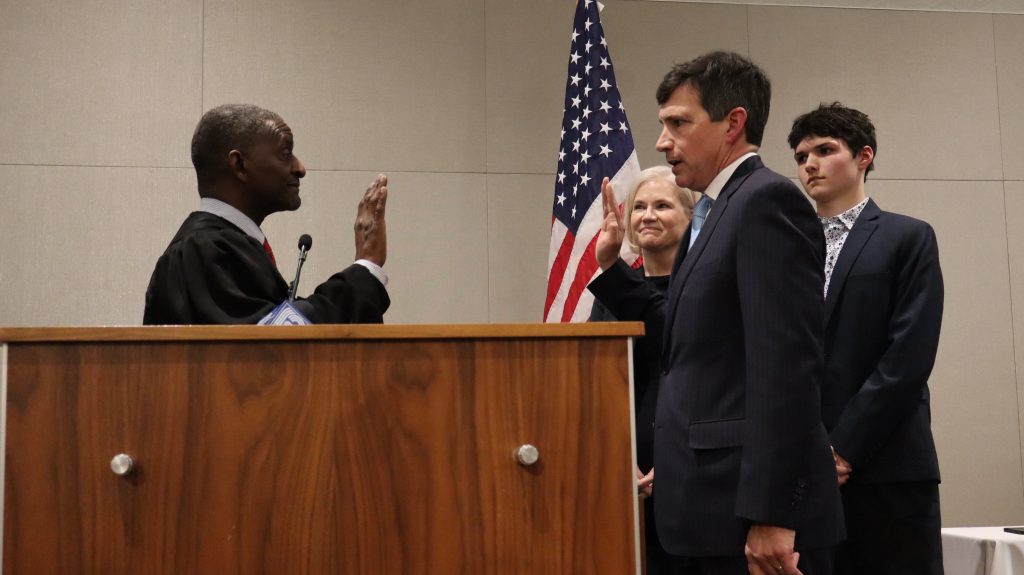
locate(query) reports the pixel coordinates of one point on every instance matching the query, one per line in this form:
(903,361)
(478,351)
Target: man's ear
(864,158)
(737,125)
(238,166)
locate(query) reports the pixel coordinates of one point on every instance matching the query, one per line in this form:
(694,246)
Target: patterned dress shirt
(836,230)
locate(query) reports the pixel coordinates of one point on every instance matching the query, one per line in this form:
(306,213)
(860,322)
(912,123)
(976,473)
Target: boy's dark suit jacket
(883,314)
(738,433)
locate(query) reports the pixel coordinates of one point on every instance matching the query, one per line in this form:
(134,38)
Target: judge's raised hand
(770,551)
(371,231)
(609,241)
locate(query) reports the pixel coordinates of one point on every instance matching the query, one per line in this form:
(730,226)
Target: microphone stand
(305,242)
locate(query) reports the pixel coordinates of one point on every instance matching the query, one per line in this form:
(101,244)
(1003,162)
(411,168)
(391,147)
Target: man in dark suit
(745,476)
(219,268)
(883,312)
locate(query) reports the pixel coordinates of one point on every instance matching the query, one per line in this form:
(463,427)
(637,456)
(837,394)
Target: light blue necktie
(700,213)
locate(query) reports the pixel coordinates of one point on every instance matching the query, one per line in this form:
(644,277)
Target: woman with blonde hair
(659,212)
(656,215)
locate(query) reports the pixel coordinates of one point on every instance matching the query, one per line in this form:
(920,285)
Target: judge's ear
(737,124)
(237,165)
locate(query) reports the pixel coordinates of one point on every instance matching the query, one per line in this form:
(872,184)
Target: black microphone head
(305,242)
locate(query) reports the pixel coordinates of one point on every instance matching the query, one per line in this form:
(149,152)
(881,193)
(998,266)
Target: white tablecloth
(982,551)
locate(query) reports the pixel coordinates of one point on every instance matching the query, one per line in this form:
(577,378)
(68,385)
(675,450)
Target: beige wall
(459,101)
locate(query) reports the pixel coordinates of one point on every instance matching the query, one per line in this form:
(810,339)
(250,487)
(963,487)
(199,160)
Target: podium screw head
(527,455)
(122,464)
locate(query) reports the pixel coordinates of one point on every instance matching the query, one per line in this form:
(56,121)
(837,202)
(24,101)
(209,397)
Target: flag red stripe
(584,271)
(558,271)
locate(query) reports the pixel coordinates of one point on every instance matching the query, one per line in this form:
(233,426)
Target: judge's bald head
(225,128)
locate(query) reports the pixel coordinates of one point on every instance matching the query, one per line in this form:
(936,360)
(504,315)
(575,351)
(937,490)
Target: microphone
(305,243)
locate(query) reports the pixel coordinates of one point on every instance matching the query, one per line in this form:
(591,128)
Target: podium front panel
(319,456)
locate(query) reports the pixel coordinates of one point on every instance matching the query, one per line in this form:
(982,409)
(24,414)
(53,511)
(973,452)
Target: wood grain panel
(319,457)
(311,332)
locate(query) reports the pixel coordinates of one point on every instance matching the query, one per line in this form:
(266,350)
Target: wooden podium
(319,450)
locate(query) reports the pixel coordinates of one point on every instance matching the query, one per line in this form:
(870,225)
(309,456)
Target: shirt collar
(716,185)
(233,215)
(847,218)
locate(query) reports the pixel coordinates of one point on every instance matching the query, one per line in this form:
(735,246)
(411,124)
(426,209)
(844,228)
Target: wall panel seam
(1013,343)
(456,172)
(835,6)
(94,166)
(999,109)
(749,54)
(202,62)
(487,151)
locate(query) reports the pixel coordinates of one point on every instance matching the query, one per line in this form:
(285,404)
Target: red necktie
(270,252)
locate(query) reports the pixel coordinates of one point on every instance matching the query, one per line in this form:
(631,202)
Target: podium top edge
(319,332)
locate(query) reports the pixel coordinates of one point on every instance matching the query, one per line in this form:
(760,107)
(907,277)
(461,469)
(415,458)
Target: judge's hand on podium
(371,231)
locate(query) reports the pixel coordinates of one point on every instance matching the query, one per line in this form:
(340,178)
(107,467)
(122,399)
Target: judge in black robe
(218,268)
(214,273)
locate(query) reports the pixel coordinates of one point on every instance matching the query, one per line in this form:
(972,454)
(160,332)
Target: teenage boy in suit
(883,312)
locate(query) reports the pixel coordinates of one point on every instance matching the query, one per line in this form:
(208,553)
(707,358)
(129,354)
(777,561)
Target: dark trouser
(891,528)
(659,562)
(813,562)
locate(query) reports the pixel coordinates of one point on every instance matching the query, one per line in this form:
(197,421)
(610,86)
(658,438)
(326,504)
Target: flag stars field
(594,144)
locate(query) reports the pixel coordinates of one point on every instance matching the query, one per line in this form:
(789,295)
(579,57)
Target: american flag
(596,143)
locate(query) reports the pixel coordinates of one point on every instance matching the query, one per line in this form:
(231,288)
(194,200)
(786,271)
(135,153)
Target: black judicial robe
(214,273)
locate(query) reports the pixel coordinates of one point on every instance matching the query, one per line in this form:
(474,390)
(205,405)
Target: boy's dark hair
(836,121)
(724,80)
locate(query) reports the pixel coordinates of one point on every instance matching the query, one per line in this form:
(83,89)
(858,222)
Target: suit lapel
(861,232)
(687,258)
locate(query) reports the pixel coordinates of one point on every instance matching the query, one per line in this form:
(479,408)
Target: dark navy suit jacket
(883,316)
(738,433)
